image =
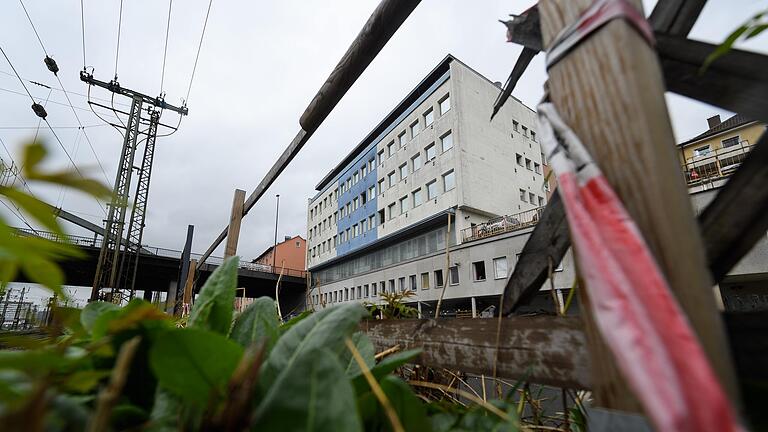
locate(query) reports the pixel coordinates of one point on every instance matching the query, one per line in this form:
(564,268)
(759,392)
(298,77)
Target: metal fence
(711,165)
(501,225)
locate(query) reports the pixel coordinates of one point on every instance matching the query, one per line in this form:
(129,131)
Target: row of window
(415,199)
(444,105)
(528,164)
(413,282)
(531,197)
(516,127)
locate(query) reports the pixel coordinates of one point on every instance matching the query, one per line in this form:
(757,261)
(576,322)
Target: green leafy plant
(394,306)
(36,257)
(751,28)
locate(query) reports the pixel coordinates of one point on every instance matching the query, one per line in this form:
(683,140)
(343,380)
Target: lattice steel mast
(118,259)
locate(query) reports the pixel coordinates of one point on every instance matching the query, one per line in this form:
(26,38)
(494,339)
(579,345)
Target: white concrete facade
(440,152)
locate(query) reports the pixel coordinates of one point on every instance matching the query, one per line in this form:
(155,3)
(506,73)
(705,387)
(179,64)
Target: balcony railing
(501,225)
(716,164)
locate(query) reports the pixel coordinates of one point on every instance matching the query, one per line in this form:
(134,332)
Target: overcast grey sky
(260,65)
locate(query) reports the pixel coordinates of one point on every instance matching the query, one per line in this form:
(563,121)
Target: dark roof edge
(737,121)
(422,86)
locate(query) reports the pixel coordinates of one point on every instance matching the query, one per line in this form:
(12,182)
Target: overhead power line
(199,47)
(33,27)
(165,50)
(17,74)
(82,25)
(37,83)
(119,29)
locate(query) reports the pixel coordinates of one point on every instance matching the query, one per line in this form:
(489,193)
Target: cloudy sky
(260,65)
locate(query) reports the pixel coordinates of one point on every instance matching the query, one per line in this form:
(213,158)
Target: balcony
(714,165)
(501,225)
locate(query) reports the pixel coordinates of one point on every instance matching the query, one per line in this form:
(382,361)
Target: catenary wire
(82,26)
(199,47)
(119,29)
(165,50)
(17,74)
(33,27)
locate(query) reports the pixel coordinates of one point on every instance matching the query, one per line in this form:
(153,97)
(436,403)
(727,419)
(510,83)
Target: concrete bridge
(159,270)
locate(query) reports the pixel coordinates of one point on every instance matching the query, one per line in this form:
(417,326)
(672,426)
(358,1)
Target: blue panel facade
(365,211)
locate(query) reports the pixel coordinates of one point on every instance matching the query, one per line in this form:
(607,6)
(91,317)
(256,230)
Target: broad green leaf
(443,421)
(410,410)
(92,311)
(33,207)
(35,362)
(258,322)
(44,272)
(85,380)
(73,180)
(128,417)
(213,308)
(384,367)
(324,329)
(363,344)
(293,321)
(194,364)
(34,153)
(166,412)
(311,394)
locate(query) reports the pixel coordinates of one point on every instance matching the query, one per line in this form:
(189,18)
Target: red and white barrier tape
(641,322)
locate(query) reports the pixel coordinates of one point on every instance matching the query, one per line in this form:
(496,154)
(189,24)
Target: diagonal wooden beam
(676,17)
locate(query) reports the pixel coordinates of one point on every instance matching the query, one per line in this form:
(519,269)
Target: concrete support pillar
(560,299)
(474,308)
(170,301)
(418,306)
(147,295)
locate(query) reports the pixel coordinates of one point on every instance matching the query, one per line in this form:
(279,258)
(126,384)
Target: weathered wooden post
(189,284)
(233,230)
(609,90)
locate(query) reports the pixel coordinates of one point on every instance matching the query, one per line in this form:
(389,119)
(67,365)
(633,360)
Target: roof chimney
(288,238)
(713,121)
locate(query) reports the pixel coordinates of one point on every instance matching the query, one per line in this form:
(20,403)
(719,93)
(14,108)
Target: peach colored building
(292,250)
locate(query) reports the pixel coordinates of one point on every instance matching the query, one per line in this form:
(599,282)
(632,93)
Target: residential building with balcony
(379,221)
(711,156)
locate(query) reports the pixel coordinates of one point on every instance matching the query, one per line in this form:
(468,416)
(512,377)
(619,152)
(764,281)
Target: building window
(365,290)
(533,136)
(449,181)
(403,204)
(519,159)
(349,184)
(536,168)
(374,288)
(445,104)
(701,151)
(401,284)
(453,275)
(356,203)
(381,186)
(527,163)
(403,171)
(418,197)
(298,244)
(363,225)
(381,217)
(392,179)
(391,285)
(349,209)
(425,281)
(415,129)
(390,149)
(352,293)
(525,131)
(342,237)
(371,165)
(355,230)
(432,190)
(371,221)
(416,161)
(359,291)
(346,294)
(532,198)
(363,198)
(401,140)
(412,280)
(392,211)
(343,211)
(349,237)
(500,268)
(447,141)
(431,153)
(541,202)
(429,117)
(380,156)
(730,142)
(363,171)
(371,193)
(515,125)
(355,177)
(438,278)
(523,195)
(478,268)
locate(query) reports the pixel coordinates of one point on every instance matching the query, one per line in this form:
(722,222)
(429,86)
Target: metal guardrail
(95,242)
(715,164)
(501,225)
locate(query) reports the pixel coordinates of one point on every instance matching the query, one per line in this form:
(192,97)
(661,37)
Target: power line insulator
(39,110)
(51,65)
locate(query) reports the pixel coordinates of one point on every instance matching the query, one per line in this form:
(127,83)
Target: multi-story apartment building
(714,154)
(379,221)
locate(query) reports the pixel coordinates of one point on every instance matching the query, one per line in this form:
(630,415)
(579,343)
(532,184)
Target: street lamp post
(274,248)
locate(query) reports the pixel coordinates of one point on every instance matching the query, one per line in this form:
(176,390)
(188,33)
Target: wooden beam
(189,284)
(676,17)
(738,216)
(542,349)
(382,24)
(610,91)
(735,81)
(549,240)
(233,230)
